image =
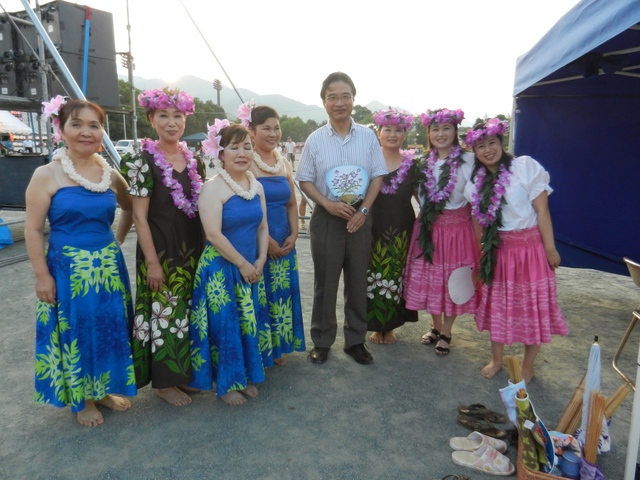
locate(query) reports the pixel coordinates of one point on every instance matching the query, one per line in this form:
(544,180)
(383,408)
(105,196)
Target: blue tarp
(577,111)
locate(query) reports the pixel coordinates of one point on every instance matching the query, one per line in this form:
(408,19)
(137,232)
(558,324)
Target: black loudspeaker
(65,24)
(27,63)
(15,174)
(7,64)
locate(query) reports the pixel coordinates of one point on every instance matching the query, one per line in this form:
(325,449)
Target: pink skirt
(425,283)
(521,304)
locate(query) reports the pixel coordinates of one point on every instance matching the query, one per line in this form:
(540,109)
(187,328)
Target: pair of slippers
(483,453)
(480,419)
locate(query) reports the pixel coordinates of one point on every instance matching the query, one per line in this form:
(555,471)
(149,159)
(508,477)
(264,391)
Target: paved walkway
(390,420)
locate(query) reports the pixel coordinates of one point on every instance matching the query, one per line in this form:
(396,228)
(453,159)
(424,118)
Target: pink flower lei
(493,126)
(188,206)
(441,116)
(401,173)
(393,117)
(430,185)
(167,98)
(487,218)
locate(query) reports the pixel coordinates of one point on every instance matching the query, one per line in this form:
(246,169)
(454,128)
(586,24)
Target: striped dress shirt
(325,150)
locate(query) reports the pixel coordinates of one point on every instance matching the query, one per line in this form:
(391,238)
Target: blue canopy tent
(577,111)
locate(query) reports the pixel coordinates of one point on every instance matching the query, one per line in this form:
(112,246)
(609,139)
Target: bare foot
(188,389)
(90,416)
(280,361)
(491,369)
(377,337)
(527,374)
(251,391)
(114,402)
(174,396)
(390,337)
(233,398)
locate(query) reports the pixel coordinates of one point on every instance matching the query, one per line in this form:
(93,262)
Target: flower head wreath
(51,109)
(167,98)
(211,145)
(393,117)
(442,115)
(244,112)
(493,126)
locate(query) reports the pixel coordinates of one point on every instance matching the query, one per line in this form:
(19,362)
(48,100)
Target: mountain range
(203,89)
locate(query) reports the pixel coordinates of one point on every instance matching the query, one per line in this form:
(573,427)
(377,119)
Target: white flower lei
(266,168)
(68,168)
(235,186)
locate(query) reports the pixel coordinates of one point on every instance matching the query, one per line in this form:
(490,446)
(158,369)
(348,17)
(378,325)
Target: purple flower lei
(401,173)
(493,126)
(393,117)
(487,218)
(442,116)
(430,185)
(188,206)
(167,98)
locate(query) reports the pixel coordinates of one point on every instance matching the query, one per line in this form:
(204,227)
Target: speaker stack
(65,24)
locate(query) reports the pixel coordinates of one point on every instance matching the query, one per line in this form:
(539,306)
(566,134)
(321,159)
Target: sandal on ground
(479,410)
(485,459)
(443,350)
(481,425)
(431,337)
(474,441)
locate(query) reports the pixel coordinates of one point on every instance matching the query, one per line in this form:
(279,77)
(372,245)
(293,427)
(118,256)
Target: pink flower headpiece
(51,109)
(211,145)
(442,115)
(167,98)
(393,117)
(493,126)
(244,112)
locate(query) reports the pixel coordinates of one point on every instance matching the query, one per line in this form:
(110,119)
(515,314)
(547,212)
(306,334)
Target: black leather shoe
(318,355)
(360,354)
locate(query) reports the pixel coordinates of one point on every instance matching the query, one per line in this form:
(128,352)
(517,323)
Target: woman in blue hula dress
(226,341)
(279,304)
(84,311)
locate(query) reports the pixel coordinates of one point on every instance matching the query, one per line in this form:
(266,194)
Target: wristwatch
(365,211)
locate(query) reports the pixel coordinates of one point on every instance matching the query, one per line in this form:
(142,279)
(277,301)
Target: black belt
(358,204)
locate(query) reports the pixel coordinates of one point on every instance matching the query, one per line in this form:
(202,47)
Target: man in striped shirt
(340,233)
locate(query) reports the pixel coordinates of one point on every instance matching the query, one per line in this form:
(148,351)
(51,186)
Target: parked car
(127,146)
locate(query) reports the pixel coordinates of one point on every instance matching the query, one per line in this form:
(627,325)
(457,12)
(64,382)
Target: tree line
(208,111)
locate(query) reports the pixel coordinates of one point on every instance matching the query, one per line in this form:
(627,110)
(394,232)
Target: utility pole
(134,116)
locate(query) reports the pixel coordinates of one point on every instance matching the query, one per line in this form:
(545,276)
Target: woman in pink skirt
(443,238)
(518,298)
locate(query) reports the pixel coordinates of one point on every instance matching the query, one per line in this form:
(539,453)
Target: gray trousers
(334,251)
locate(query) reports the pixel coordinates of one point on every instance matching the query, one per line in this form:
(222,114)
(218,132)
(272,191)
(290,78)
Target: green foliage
(296,128)
(362,115)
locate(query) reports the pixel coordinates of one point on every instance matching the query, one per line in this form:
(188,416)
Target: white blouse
(456,199)
(528,180)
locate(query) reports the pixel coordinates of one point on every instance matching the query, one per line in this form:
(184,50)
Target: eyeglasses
(346,98)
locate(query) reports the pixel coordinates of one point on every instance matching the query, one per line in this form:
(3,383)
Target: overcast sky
(414,54)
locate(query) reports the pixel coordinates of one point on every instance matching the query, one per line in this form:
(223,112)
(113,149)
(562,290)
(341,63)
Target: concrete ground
(340,420)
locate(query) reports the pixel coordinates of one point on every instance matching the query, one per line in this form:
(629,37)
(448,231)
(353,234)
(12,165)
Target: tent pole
(64,69)
(512,135)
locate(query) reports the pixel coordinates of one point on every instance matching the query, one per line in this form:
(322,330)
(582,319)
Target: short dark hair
(261,114)
(337,77)
(234,133)
(69,109)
